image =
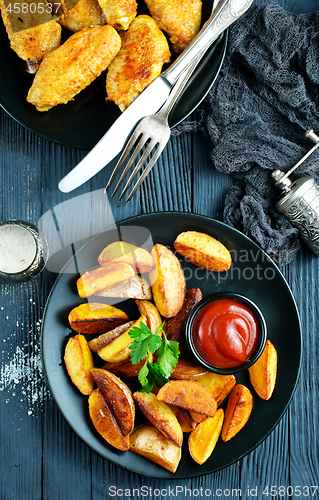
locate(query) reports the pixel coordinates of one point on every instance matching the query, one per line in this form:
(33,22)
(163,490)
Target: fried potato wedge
(189,395)
(118,349)
(167,282)
(153,317)
(185,370)
(160,415)
(106,338)
(237,412)
(133,288)
(184,418)
(174,328)
(149,442)
(202,440)
(96,318)
(119,251)
(197,417)
(263,373)
(102,277)
(105,423)
(203,250)
(219,385)
(79,363)
(119,397)
(126,368)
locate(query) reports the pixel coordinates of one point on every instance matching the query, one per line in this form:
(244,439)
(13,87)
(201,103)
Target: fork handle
(225,14)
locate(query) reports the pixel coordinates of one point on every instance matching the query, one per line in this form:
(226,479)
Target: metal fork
(153,130)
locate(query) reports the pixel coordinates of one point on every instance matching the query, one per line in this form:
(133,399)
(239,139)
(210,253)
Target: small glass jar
(23,253)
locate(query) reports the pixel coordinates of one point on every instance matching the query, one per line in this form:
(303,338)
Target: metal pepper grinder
(299,200)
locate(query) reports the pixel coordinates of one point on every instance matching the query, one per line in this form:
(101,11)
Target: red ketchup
(225,332)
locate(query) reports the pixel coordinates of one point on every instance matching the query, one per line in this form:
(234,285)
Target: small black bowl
(261,340)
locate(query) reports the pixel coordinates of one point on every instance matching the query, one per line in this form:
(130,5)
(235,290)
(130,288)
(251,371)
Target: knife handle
(225,14)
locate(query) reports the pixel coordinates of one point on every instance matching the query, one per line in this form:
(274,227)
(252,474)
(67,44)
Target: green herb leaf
(144,340)
(157,375)
(167,356)
(166,352)
(143,375)
(140,331)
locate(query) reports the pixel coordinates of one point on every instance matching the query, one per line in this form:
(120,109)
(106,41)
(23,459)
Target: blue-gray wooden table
(40,456)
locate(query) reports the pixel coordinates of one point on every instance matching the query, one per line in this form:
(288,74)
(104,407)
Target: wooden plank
(22,395)
(172,178)
(66,468)
(303,411)
(208,195)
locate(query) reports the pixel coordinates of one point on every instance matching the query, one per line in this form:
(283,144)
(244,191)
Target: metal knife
(153,97)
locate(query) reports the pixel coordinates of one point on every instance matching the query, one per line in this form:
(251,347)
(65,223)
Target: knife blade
(111,144)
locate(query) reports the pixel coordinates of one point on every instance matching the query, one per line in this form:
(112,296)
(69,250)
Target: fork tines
(141,139)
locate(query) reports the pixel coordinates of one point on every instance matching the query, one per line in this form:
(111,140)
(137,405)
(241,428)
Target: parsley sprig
(165,352)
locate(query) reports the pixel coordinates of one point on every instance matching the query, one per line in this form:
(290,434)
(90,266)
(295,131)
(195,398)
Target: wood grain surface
(41,457)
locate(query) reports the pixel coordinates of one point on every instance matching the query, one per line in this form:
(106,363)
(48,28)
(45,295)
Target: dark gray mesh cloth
(264,100)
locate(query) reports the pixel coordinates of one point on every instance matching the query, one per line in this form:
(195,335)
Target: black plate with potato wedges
(82,122)
(252,274)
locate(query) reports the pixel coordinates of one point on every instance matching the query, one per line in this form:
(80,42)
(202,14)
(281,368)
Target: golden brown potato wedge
(174,328)
(203,438)
(105,423)
(160,415)
(118,349)
(102,277)
(153,317)
(126,368)
(133,288)
(203,250)
(119,251)
(106,338)
(263,373)
(219,385)
(79,363)
(119,397)
(149,442)
(167,281)
(184,418)
(96,318)
(237,412)
(189,395)
(197,417)
(186,370)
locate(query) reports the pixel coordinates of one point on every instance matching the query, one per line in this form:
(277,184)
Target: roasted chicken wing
(66,71)
(84,14)
(119,13)
(180,19)
(33,42)
(143,52)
